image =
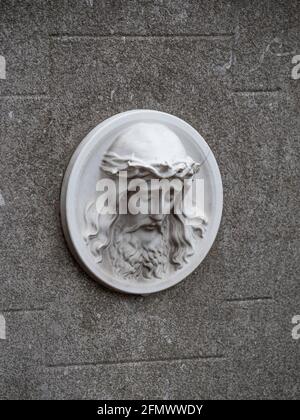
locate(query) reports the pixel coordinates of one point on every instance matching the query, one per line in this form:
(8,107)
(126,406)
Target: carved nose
(157,217)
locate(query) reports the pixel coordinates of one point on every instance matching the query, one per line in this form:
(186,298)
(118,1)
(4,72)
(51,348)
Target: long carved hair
(183,229)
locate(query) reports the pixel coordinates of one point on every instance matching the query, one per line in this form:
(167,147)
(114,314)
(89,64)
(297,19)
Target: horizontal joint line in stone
(26,97)
(63,37)
(142,361)
(23,310)
(249,299)
(256,91)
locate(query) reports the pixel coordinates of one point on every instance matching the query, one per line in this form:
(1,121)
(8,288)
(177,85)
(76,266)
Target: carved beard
(132,259)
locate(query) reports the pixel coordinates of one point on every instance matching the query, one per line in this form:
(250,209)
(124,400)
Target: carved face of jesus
(143,245)
(140,243)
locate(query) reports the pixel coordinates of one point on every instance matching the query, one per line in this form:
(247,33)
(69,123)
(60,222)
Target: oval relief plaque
(141,201)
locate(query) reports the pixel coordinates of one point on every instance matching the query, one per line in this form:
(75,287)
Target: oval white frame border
(68,190)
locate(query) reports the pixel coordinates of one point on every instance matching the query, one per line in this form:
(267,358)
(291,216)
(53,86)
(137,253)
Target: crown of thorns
(113,164)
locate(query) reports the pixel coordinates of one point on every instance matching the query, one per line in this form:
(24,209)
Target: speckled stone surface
(225,67)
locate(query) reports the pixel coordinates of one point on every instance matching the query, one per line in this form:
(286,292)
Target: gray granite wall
(225,67)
